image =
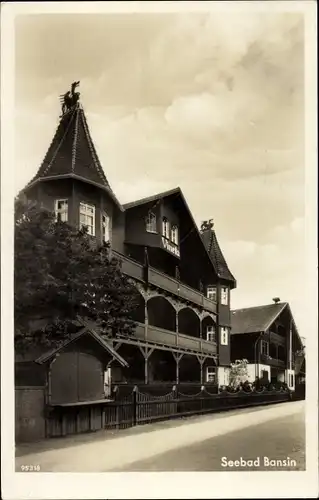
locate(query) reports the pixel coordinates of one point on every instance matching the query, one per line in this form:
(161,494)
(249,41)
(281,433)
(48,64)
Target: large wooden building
(268,338)
(183,318)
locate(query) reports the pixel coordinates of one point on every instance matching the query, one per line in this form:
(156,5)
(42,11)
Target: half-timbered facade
(183,318)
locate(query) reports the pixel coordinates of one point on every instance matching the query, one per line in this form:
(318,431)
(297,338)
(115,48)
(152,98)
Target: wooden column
(146,351)
(201,333)
(177,358)
(145,318)
(177,326)
(201,361)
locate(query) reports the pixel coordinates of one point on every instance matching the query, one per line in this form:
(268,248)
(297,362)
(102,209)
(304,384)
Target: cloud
(211,102)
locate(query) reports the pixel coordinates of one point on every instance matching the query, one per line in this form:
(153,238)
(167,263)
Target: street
(274,432)
(277,440)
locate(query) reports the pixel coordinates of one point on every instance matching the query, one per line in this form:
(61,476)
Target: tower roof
(216,255)
(72,154)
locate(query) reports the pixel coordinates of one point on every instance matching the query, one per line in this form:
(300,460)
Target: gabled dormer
(71,181)
(154,223)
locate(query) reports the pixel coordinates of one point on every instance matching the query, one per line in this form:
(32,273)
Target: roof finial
(276,300)
(70,98)
(207,224)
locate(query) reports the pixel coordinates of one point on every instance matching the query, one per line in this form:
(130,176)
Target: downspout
(255,351)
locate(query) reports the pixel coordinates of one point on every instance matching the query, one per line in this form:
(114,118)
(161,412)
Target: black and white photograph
(160,275)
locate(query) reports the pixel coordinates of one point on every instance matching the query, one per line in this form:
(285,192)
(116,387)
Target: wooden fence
(139,407)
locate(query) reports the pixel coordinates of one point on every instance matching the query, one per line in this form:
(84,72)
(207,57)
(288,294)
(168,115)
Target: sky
(210,102)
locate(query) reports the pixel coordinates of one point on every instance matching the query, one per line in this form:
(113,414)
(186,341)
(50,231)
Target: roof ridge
(93,150)
(76,129)
(258,307)
(149,198)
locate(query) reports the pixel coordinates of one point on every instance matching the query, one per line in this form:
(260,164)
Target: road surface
(255,448)
(194,444)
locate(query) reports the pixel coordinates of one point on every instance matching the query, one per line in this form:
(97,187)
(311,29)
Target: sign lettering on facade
(170,248)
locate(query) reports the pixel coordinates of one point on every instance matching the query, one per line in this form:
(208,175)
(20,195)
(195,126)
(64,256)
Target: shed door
(76,376)
(91,378)
(64,378)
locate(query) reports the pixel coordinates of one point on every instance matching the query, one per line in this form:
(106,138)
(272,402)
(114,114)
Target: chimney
(276,300)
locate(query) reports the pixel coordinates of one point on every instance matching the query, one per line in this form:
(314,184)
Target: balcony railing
(279,363)
(277,339)
(168,338)
(167,283)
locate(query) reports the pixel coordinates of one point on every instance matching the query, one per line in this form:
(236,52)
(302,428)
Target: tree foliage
(61,274)
(238,372)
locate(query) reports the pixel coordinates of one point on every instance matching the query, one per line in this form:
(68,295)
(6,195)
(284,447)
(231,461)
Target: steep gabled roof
(72,154)
(216,255)
(154,197)
(87,329)
(213,251)
(255,319)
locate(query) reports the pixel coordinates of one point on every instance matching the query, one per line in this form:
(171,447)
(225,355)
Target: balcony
(167,283)
(277,339)
(278,363)
(172,339)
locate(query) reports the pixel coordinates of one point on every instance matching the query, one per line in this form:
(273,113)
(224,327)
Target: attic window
(61,210)
(151,223)
(165,228)
(174,235)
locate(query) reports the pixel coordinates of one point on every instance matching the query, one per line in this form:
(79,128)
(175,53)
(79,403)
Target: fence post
(134,402)
(117,409)
(201,398)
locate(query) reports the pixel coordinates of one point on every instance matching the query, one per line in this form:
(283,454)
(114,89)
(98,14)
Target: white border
(154,485)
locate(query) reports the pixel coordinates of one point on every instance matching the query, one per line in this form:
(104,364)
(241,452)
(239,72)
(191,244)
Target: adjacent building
(268,338)
(184,283)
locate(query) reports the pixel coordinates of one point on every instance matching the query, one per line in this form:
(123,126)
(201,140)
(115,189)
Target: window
(165,228)
(291,380)
(224,335)
(224,295)
(105,227)
(211,374)
(174,234)
(61,210)
(212,293)
(211,333)
(151,223)
(87,218)
(265,348)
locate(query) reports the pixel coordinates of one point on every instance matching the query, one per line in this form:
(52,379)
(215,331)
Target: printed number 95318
(30,468)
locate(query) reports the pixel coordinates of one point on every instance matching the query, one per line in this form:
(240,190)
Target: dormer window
(212,293)
(174,234)
(87,217)
(105,227)
(224,296)
(165,228)
(151,223)
(61,210)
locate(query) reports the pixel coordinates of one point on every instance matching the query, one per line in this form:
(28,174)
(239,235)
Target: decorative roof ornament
(207,224)
(69,99)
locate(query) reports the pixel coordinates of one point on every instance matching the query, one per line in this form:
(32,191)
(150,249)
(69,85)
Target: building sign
(170,247)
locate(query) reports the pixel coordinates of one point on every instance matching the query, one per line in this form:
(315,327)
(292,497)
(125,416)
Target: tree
(62,274)
(238,372)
